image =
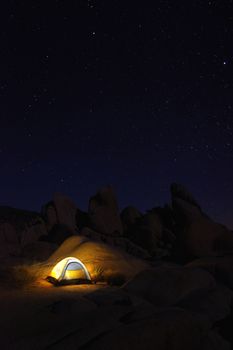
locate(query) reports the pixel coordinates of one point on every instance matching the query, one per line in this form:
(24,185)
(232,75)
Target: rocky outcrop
(38,251)
(17,229)
(120,242)
(204,237)
(198,235)
(65,210)
(50,215)
(104,213)
(167,329)
(180,192)
(9,240)
(185,212)
(215,305)
(61,210)
(220,267)
(181,231)
(149,233)
(167,286)
(32,233)
(129,217)
(58,234)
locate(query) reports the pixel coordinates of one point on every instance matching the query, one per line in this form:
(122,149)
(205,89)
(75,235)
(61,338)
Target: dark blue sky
(109,92)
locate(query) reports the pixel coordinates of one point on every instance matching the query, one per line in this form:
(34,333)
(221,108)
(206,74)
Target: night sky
(132,94)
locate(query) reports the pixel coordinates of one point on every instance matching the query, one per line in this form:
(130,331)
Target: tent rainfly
(69,271)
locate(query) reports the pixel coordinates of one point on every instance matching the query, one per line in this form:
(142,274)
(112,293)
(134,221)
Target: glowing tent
(69,271)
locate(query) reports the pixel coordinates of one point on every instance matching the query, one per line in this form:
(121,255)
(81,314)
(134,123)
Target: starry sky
(132,94)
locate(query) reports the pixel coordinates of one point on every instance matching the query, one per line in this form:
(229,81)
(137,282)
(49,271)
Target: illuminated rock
(101,260)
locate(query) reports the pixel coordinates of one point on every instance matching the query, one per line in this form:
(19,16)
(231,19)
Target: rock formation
(129,216)
(18,228)
(104,213)
(61,210)
(198,235)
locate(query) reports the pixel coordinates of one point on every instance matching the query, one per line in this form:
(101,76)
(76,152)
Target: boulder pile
(179,231)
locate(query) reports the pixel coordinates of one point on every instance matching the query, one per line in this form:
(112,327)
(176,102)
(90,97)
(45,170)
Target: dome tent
(69,270)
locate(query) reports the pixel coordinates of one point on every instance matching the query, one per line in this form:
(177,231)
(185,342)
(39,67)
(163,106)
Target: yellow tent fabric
(70,268)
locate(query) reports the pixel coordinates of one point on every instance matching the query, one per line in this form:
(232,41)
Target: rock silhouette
(61,210)
(104,213)
(179,231)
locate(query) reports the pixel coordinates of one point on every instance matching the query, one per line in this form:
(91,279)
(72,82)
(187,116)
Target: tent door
(74,271)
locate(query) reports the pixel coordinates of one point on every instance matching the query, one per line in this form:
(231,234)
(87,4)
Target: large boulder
(38,251)
(66,210)
(9,240)
(185,212)
(169,285)
(216,304)
(151,222)
(180,192)
(17,229)
(198,235)
(204,237)
(58,234)
(166,216)
(79,325)
(110,296)
(225,327)
(129,216)
(32,233)
(214,341)
(61,210)
(50,215)
(104,213)
(220,267)
(171,329)
(148,233)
